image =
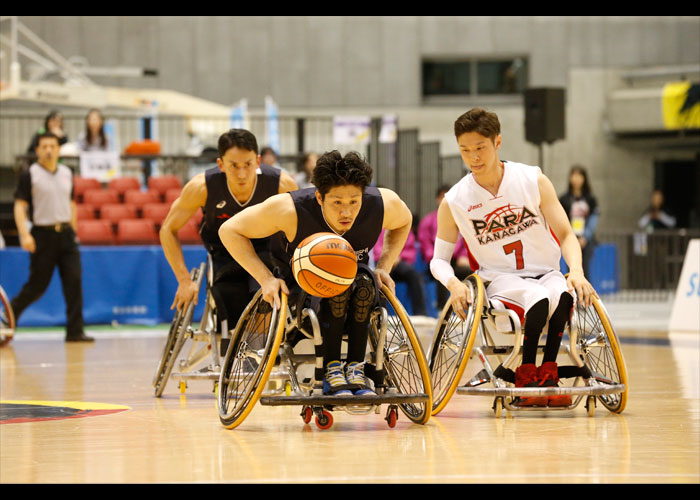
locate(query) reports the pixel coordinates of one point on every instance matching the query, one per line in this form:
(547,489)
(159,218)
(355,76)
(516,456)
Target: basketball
(324,265)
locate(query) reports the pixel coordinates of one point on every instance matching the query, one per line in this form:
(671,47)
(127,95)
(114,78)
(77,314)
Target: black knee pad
(363,296)
(339,304)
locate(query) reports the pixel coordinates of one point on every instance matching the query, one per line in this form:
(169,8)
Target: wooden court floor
(123,434)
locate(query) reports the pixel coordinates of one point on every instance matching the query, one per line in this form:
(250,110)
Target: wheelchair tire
(404,360)
(173,346)
(452,345)
(7,319)
(600,348)
(241,382)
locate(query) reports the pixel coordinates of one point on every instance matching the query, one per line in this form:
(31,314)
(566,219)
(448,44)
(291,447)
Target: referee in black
(45,196)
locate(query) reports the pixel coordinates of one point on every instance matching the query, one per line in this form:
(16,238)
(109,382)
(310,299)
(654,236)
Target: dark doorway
(680,182)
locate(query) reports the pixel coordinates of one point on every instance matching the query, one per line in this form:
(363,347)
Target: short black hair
(237,138)
(333,169)
(47,135)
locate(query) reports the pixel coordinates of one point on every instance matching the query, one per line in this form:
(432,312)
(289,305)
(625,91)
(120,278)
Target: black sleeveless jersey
(221,206)
(362,236)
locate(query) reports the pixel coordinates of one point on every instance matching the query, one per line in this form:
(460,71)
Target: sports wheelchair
(262,349)
(597,365)
(204,347)
(7,319)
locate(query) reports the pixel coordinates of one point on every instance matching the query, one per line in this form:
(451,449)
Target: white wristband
(440,266)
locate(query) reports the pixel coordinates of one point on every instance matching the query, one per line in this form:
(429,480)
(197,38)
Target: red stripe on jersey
(555,237)
(473,264)
(518,310)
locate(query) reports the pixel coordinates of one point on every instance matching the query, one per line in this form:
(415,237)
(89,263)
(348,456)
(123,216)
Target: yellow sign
(681,105)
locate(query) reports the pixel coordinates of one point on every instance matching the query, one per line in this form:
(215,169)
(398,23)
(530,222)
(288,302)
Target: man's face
(341,206)
(48,149)
(240,167)
(479,153)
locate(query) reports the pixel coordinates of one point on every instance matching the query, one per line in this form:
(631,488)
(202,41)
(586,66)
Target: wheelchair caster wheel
(183,387)
(306,414)
(498,407)
(324,420)
(392,415)
(590,405)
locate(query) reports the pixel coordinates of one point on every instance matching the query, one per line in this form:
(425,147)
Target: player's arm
(26,240)
(570,247)
(192,197)
(397,224)
(287,183)
(440,265)
(275,214)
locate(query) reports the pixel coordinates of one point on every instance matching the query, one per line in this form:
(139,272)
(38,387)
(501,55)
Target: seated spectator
(53,123)
(404,271)
(305,168)
(94,138)
(655,216)
(427,232)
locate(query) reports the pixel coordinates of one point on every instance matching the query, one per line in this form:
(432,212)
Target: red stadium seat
(137,232)
(99,197)
(114,212)
(85,212)
(172,194)
(123,184)
(82,184)
(140,198)
(157,212)
(162,183)
(189,234)
(95,232)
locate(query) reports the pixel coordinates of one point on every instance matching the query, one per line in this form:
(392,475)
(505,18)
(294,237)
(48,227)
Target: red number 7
(517,247)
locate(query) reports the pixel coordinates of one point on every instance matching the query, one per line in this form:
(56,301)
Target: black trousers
(54,249)
(406,273)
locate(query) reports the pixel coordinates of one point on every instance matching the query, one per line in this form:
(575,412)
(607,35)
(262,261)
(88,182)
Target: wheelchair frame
(589,382)
(204,342)
(7,321)
(309,393)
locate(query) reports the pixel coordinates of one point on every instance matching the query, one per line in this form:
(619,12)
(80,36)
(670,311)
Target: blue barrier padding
(604,268)
(126,284)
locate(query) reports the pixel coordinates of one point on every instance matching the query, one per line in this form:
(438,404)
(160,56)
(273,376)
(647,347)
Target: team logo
(505,221)
(221,204)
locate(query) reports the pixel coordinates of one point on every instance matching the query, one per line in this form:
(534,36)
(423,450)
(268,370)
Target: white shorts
(520,294)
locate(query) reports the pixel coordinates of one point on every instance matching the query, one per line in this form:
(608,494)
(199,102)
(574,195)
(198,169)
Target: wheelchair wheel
(249,359)
(7,319)
(176,338)
(600,348)
(452,345)
(404,360)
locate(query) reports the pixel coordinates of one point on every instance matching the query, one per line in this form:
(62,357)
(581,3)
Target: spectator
(582,209)
(53,123)
(655,216)
(404,271)
(94,138)
(45,195)
(427,232)
(306,167)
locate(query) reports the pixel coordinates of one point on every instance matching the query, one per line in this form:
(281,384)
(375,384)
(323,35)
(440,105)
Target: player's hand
(271,288)
(186,293)
(460,297)
(383,278)
(27,242)
(584,290)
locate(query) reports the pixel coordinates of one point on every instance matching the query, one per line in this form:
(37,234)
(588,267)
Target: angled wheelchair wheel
(249,359)
(404,361)
(598,344)
(7,319)
(176,338)
(452,345)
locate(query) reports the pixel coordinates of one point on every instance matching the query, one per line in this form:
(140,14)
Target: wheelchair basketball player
(342,202)
(516,232)
(238,181)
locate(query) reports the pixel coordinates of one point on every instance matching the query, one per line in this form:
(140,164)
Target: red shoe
(526,376)
(548,376)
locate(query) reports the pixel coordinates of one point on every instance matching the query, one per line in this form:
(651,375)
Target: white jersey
(506,233)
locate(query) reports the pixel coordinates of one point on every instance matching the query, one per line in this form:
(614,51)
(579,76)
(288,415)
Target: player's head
(478,134)
(340,183)
(239,159)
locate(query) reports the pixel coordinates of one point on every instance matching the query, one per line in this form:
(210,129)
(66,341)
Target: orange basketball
(324,265)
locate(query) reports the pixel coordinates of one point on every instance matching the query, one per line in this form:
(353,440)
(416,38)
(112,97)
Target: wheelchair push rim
(598,344)
(452,345)
(235,405)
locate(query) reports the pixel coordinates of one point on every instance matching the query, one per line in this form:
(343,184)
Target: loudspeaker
(544,115)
